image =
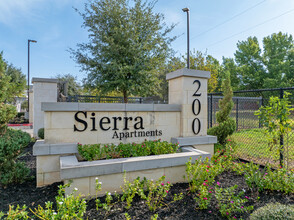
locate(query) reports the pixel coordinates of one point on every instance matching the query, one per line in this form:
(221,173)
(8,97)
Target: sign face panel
(119,126)
(92,127)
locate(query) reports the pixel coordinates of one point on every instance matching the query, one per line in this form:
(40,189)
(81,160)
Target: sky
(215,28)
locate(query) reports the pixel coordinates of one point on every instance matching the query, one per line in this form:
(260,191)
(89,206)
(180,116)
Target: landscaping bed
(187,208)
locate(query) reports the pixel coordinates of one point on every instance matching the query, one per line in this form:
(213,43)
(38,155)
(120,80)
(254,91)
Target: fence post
(281,137)
(260,104)
(237,114)
(210,113)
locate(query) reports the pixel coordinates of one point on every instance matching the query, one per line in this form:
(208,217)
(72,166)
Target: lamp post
(29,41)
(188,36)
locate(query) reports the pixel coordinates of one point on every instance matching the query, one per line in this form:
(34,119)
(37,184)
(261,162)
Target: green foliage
(267,67)
(68,207)
(275,211)
(97,152)
(41,133)
(275,117)
(274,180)
(226,125)
(12,81)
(202,172)
(128,43)
(198,61)
(131,189)
(157,191)
(7,112)
(17,83)
(204,196)
(17,213)
(230,203)
(11,145)
(73,87)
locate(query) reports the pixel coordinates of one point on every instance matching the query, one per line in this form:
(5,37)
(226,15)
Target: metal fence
(114,99)
(249,137)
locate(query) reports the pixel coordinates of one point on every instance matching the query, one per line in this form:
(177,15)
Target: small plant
(276,119)
(17,213)
(68,207)
(273,211)
(108,204)
(230,203)
(131,189)
(156,192)
(203,197)
(201,172)
(41,133)
(254,177)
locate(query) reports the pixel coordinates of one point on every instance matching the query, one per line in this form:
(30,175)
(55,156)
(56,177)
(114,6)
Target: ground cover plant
(91,152)
(225,189)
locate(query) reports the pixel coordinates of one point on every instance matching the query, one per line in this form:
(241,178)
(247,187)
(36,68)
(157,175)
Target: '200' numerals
(196,124)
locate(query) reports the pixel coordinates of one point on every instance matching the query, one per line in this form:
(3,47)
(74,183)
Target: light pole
(188,36)
(33,41)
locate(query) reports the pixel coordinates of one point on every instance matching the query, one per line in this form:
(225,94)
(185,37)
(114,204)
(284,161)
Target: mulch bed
(28,194)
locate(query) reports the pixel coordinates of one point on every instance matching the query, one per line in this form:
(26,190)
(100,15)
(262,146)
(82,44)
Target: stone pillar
(45,90)
(188,88)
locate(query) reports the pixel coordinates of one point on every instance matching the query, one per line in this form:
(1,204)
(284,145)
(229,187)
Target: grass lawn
(252,145)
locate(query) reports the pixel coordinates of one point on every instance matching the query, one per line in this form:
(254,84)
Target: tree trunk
(125,96)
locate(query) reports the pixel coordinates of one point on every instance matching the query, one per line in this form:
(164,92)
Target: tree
(198,61)
(226,125)
(272,67)
(249,60)
(17,81)
(7,112)
(230,66)
(73,87)
(127,45)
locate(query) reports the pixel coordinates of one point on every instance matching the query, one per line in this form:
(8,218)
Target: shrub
(7,112)
(273,211)
(226,125)
(41,133)
(110,151)
(11,145)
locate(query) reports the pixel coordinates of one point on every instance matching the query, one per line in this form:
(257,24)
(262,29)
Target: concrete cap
(108,107)
(188,72)
(44,80)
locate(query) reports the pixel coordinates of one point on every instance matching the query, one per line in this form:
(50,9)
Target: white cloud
(14,10)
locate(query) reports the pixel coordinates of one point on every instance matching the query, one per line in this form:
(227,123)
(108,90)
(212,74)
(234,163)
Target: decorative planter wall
(183,121)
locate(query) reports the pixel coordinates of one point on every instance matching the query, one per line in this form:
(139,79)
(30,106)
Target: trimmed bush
(12,142)
(273,211)
(226,125)
(41,133)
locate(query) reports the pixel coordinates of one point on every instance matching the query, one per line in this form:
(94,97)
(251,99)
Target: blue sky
(216,26)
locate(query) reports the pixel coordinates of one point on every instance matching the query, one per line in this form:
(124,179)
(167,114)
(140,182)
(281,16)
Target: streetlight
(188,36)
(33,41)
